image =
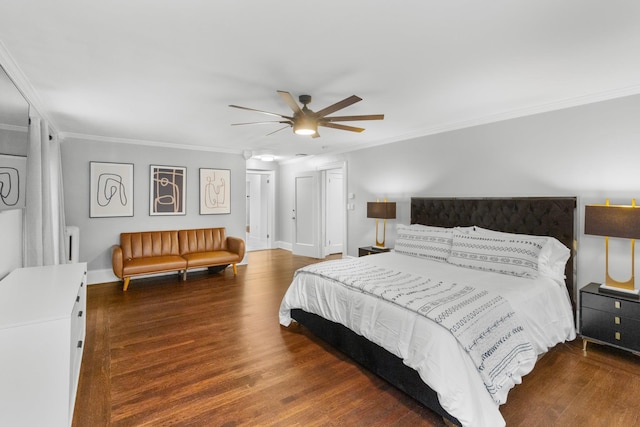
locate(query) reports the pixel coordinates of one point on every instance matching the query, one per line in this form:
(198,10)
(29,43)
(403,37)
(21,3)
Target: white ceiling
(165,71)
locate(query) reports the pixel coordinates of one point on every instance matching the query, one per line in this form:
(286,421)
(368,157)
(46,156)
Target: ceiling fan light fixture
(305,126)
(306,122)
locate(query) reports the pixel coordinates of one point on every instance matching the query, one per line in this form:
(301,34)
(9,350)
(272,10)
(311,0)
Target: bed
(413,351)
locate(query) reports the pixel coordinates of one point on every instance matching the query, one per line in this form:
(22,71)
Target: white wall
(590,151)
(97,235)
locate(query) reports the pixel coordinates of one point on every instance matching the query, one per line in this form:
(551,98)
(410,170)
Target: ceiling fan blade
(338,106)
(288,99)
(262,123)
(341,127)
(278,130)
(353,118)
(260,111)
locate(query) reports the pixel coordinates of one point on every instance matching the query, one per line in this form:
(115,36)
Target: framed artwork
(13,177)
(111,189)
(167,190)
(215,191)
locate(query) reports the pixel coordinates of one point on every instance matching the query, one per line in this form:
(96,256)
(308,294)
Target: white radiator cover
(72,245)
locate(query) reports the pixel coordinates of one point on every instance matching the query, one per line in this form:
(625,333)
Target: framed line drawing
(13,177)
(215,191)
(167,190)
(111,189)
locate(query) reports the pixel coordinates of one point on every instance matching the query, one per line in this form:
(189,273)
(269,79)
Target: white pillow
(423,241)
(553,256)
(511,255)
(553,260)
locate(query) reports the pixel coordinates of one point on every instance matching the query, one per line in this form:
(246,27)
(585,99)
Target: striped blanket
(484,323)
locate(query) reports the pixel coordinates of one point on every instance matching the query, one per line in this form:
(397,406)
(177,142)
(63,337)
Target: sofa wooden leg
(184,275)
(126,283)
(235,270)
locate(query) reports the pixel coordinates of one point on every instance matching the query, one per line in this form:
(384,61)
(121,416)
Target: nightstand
(370,250)
(609,319)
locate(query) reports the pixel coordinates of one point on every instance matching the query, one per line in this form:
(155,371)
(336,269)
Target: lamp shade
(381,210)
(612,221)
(305,126)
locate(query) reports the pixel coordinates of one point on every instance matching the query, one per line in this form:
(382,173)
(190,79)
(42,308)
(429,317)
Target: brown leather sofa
(149,252)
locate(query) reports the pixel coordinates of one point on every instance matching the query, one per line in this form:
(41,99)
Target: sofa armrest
(116,260)
(236,245)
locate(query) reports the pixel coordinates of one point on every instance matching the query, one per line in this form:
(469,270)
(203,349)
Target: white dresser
(42,332)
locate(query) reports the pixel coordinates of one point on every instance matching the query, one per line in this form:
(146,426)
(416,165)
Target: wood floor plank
(210,352)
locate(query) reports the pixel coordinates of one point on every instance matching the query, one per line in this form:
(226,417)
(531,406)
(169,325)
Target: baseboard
(101,276)
(284,245)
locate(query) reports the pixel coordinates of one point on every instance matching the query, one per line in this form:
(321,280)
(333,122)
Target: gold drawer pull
(617,304)
(617,320)
(618,336)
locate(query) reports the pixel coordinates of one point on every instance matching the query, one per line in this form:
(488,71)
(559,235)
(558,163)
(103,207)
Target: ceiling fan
(306,122)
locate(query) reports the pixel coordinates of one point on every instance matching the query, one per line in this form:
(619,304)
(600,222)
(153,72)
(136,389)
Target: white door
(334,211)
(306,214)
(260,202)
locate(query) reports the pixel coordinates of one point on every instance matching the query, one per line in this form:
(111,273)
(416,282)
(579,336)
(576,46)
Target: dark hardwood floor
(210,352)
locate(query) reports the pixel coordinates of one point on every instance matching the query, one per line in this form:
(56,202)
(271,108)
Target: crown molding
(114,140)
(521,112)
(24,87)
(14,128)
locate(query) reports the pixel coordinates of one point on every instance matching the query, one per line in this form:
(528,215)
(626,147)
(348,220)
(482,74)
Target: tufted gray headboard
(542,216)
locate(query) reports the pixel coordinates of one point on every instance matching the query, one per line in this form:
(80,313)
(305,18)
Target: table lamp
(615,221)
(381,211)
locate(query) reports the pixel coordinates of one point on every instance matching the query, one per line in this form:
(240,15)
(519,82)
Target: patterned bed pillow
(511,255)
(552,259)
(423,241)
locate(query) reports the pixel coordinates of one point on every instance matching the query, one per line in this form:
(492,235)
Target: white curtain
(44,216)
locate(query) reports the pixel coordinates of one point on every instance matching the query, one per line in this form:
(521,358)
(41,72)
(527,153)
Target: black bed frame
(544,216)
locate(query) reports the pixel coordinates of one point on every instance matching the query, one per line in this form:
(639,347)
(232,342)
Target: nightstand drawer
(371,250)
(607,327)
(617,306)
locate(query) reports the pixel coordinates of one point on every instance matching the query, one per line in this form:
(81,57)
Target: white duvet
(542,305)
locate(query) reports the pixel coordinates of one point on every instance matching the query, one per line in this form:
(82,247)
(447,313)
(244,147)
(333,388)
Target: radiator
(72,234)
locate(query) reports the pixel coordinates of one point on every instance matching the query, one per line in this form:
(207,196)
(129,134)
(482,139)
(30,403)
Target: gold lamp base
(628,286)
(380,243)
(615,287)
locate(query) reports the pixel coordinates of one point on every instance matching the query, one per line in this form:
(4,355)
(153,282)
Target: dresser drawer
(620,307)
(610,328)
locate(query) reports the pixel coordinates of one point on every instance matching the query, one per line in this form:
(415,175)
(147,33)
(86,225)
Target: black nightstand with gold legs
(609,319)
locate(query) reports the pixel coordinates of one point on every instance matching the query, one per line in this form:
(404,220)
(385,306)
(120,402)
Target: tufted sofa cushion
(149,243)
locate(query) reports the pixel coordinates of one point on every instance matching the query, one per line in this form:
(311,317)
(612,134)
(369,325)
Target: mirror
(14,118)
(14,141)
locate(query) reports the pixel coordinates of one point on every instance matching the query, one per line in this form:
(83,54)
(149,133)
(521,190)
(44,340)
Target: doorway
(319,213)
(260,200)
(334,208)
